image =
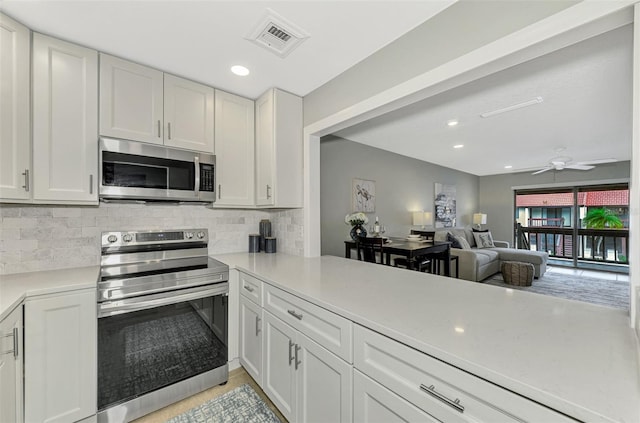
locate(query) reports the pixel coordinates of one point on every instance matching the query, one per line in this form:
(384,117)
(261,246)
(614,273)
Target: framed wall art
(363,194)
(445,205)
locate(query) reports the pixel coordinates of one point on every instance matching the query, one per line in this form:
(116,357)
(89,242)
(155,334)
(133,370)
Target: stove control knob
(200,234)
(188,235)
(112,238)
(127,238)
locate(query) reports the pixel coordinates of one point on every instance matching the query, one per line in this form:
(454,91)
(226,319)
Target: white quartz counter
(15,288)
(577,358)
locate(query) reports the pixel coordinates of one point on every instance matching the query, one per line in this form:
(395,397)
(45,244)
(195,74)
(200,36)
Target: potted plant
(357,220)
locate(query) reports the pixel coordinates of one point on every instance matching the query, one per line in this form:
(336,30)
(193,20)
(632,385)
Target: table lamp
(479,219)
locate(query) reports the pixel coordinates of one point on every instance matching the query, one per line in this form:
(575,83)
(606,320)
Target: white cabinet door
(188,114)
(279,149)
(65,121)
(251,338)
(373,403)
(15,128)
(324,384)
(61,357)
(279,377)
(265,149)
(234,149)
(131,100)
(11,362)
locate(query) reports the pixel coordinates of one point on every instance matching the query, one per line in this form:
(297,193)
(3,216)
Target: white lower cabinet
(373,403)
(11,364)
(60,373)
(305,381)
(251,338)
(439,389)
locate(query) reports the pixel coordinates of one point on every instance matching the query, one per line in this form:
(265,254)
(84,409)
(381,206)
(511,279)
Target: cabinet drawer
(326,328)
(445,392)
(251,288)
(373,403)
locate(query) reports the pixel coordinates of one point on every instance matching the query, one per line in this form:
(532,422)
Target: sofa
(476,264)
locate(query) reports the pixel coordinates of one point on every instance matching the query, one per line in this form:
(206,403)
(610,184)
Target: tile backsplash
(36,238)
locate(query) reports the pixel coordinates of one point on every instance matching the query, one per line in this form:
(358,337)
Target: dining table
(411,249)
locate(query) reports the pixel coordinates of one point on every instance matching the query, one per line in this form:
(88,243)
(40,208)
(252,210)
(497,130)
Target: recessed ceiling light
(459,329)
(508,167)
(458,146)
(452,122)
(240,70)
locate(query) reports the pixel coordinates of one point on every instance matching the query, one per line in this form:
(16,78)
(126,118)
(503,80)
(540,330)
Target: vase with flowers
(357,220)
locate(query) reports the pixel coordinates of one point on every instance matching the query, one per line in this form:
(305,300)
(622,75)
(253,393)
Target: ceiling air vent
(277,35)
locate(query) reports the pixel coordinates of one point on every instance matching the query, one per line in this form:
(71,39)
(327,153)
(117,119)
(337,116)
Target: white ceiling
(586,110)
(201,40)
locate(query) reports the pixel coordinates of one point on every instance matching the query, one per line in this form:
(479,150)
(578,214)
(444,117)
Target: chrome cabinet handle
(257,325)
(159,129)
(291,344)
(14,351)
(431,390)
(268,191)
(169,130)
(248,288)
(294,314)
(219,191)
(26,180)
(297,362)
(90,184)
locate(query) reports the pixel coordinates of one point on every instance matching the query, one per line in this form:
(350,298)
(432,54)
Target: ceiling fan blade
(579,167)
(597,161)
(544,169)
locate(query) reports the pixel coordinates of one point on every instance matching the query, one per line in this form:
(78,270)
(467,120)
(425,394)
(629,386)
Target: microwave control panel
(206,178)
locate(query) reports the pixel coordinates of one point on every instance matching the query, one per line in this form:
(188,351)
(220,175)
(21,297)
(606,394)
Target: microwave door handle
(196,163)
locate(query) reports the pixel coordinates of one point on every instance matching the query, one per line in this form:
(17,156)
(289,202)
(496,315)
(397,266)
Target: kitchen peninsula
(578,359)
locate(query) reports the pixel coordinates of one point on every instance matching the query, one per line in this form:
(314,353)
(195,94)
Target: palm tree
(601,218)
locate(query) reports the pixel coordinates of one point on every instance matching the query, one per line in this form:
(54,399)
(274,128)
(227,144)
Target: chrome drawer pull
(431,390)
(291,344)
(26,180)
(248,288)
(294,314)
(297,362)
(257,325)
(14,335)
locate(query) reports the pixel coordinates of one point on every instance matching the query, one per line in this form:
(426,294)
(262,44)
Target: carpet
(596,291)
(242,405)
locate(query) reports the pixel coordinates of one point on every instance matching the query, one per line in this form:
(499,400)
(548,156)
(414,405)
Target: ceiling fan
(560,163)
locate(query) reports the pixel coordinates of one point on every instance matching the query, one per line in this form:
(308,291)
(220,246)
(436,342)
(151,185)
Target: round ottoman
(517,273)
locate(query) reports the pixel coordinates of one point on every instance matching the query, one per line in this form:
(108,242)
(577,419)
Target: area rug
(596,291)
(242,405)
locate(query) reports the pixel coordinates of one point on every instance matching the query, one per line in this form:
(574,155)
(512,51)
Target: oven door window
(127,170)
(145,350)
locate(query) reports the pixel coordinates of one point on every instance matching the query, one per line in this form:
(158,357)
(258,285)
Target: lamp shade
(422,218)
(479,218)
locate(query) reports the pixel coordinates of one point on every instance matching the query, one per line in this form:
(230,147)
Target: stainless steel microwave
(131,170)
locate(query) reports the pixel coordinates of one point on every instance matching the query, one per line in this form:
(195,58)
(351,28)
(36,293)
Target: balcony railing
(593,245)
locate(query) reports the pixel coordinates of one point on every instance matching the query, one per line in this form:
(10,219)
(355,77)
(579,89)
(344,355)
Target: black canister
(254,243)
(265,231)
(269,244)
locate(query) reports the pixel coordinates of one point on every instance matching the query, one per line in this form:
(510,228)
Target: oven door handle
(129,305)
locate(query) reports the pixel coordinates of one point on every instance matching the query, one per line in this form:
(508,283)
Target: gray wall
(459,29)
(496,195)
(403,185)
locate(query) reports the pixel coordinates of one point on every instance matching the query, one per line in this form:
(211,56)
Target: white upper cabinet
(234,149)
(143,104)
(279,149)
(188,114)
(15,133)
(65,121)
(131,100)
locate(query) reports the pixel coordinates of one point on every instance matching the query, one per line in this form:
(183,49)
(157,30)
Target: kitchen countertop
(577,358)
(15,288)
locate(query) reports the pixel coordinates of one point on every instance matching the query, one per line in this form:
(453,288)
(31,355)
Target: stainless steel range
(162,321)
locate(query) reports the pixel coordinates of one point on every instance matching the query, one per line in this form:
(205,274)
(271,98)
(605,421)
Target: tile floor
(237,377)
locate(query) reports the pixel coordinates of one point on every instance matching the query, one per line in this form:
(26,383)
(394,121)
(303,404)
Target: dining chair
(369,249)
(423,263)
(427,235)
